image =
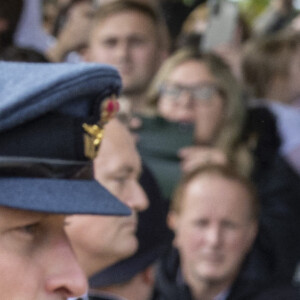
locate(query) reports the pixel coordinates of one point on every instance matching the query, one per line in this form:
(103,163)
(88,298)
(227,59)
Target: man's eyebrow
(109,39)
(130,170)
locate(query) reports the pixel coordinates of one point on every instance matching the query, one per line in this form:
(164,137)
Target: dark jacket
(282,292)
(277,249)
(167,286)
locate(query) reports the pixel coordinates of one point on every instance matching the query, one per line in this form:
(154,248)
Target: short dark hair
(223,172)
(150,11)
(114,7)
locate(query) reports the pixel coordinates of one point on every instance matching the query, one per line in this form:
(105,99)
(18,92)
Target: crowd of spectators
(218,134)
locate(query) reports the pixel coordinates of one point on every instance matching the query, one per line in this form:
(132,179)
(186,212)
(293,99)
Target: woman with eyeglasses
(197,93)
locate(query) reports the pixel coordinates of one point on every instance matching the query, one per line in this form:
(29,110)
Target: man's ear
(253,230)
(172,220)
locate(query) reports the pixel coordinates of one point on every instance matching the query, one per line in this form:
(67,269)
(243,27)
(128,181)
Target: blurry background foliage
(252,8)
(249,8)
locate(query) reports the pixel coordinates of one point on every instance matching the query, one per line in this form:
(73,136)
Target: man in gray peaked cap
(51,125)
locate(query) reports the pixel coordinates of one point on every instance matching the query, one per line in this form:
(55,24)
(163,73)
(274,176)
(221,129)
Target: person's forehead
(197,68)
(117,135)
(216,191)
(117,161)
(133,20)
(116,157)
(118,150)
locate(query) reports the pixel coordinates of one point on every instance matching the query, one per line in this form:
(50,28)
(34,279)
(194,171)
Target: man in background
(132,37)
(102,241)
(214,216)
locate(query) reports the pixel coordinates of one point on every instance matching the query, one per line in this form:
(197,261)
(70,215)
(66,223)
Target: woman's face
(190,94)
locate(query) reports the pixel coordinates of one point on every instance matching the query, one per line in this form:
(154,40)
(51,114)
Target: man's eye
(109,43)
(201,223)
(30,229)
(137,42)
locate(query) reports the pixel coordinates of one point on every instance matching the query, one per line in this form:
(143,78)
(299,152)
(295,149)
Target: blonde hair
(200,13)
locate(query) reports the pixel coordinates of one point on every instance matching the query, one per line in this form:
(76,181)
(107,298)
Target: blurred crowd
(212,103)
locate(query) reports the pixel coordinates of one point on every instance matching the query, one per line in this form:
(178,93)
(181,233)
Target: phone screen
(221,25)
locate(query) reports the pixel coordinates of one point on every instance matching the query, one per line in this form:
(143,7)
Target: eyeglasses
(202,93)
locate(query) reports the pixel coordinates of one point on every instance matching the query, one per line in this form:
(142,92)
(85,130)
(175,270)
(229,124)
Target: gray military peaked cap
(43,110)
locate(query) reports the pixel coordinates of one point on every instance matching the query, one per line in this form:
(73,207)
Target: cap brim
(59,196)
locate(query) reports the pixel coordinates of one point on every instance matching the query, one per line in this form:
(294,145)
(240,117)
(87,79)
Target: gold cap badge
(94,133)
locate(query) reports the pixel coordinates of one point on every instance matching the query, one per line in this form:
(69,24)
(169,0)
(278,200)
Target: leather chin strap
(44,168)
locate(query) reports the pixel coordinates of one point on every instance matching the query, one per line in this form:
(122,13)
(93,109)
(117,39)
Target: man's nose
(137,200)
(65,278)
(214,236)
(122,50)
